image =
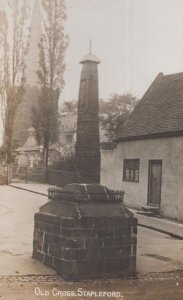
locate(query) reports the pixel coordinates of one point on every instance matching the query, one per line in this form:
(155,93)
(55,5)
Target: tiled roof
(159,113)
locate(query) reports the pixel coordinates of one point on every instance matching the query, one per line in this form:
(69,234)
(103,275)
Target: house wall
(108,170)
(170,150)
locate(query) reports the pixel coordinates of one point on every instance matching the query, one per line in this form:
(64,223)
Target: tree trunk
(45,163)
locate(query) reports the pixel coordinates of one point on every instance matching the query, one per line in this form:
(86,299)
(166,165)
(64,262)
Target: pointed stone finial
(90,57)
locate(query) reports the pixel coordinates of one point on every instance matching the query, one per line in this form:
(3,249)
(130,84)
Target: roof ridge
(160,108)
(157,78)
(172,74)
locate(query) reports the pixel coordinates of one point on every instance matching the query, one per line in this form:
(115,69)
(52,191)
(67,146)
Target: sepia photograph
(91,149)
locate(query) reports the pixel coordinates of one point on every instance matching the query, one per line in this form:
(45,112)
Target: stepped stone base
(86,240)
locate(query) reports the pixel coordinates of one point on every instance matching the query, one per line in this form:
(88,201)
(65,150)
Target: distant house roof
(31,143)
(159,113)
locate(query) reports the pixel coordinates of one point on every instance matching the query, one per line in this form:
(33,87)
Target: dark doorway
(154,182)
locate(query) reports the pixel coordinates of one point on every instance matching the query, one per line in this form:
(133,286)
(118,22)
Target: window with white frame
(131,170)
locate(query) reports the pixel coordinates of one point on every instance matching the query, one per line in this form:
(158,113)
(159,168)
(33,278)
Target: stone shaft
(88,143)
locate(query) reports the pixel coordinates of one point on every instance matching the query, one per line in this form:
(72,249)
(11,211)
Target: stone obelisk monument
(88,143)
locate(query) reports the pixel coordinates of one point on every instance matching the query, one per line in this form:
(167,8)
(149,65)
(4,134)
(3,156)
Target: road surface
(157,253)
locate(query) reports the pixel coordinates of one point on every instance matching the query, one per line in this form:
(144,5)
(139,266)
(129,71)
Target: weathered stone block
(93,242)
(38,255)
(74,254)
(55,250)
(45,248)
(51,238)
(108,252)
(38,235)
(46,218)
(115,241)
(74,243)
(38,244)
(77,232)
(49,260)
(45,227)
(102,232)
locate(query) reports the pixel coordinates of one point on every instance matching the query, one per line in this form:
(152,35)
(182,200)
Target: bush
(67,164)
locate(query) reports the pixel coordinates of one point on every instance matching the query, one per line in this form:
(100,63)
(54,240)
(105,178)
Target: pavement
(170,227)
(34,187)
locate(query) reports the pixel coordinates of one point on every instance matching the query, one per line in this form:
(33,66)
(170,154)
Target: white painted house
(148,161)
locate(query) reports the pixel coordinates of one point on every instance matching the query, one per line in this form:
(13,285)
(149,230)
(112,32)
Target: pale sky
(135,40)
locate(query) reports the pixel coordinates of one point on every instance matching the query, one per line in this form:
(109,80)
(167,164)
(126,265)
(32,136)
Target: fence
(24,173)
(85,196)
(3,175)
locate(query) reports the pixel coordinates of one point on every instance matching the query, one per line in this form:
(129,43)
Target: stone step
(146,213)
(149,211)
(151,208)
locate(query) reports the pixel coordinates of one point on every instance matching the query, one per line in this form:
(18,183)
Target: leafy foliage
(12,65)
(65,163)
(115,112)
(46,118)
(70,107)
(50,73)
